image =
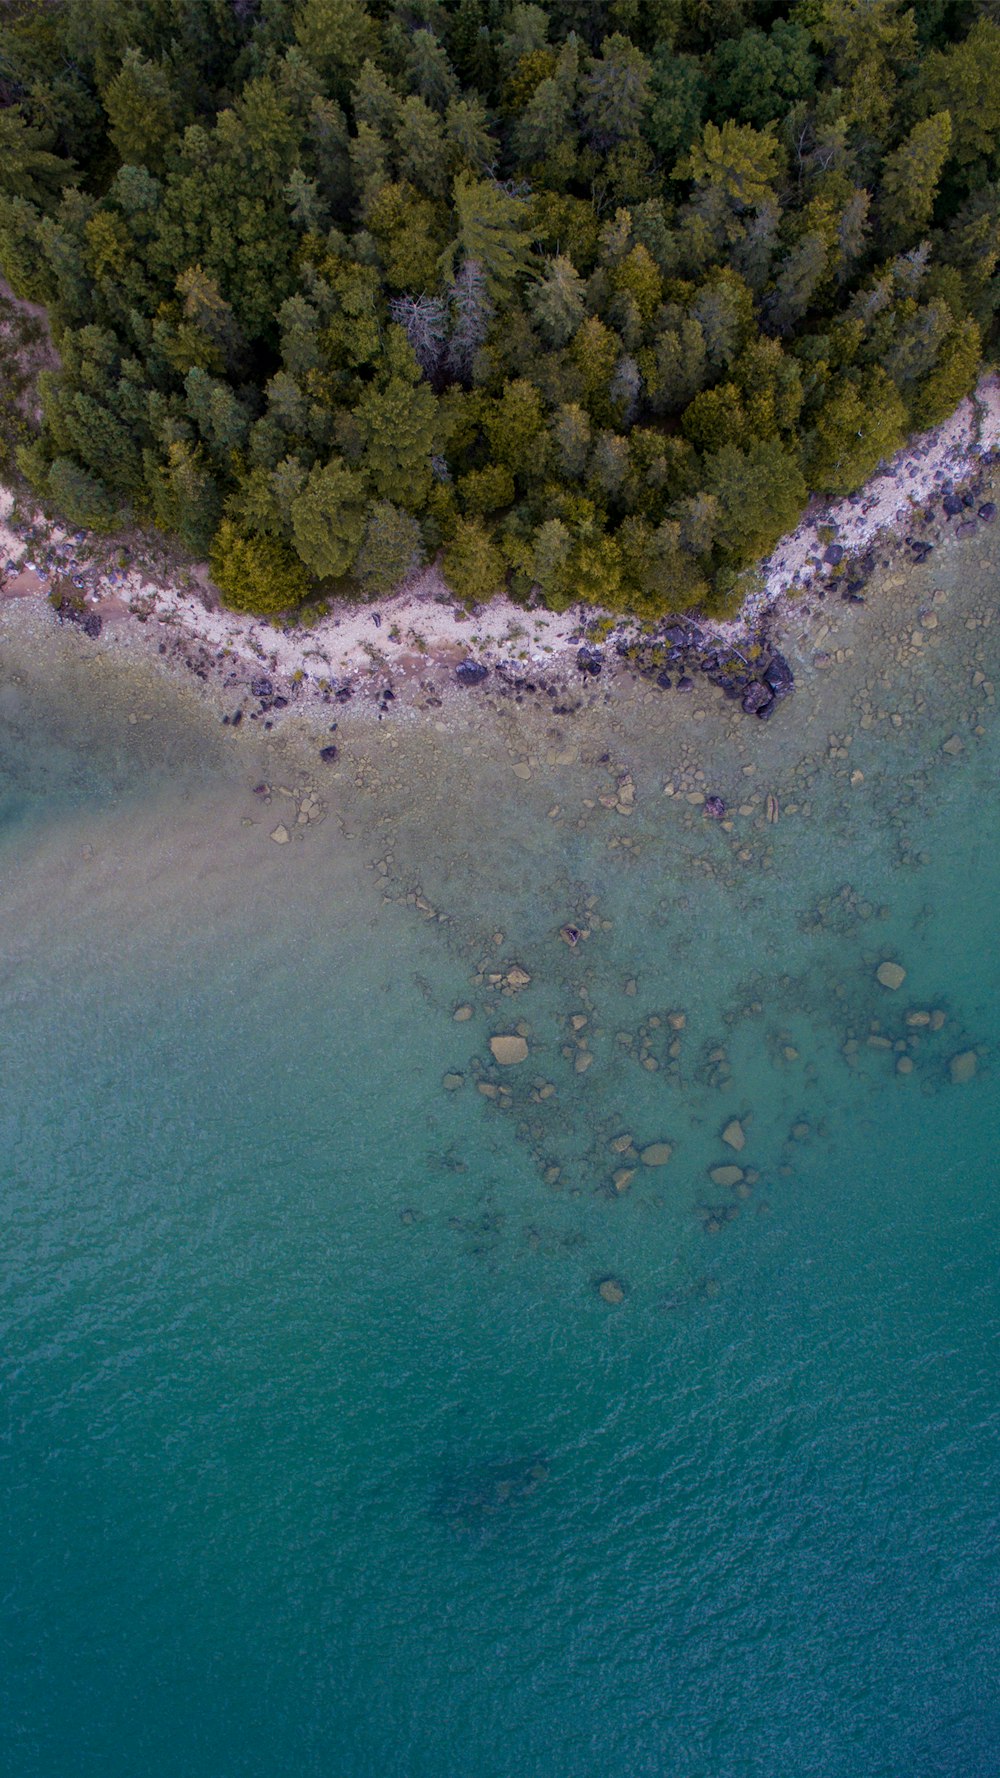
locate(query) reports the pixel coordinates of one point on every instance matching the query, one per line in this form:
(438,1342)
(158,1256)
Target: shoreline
(419,646)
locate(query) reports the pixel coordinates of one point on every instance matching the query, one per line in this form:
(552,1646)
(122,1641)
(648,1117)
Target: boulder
(726,1175)
(656,1154)
(261,687)
(329,754)
(963,1067)
(589,660)
(470,672)
(733,1135)
(890,975)
(757,697)
(779,676)
(508,1050)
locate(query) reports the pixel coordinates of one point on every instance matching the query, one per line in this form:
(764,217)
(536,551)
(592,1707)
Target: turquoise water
(322,1452)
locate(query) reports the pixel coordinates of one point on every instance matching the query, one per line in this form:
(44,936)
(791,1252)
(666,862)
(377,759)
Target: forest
(585,299)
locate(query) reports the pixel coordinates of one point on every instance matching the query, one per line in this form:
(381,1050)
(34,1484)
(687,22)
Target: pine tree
(557,300)
(420,147)
(256,574)
(616,93)
(911,175)
(397,426)
(390,549)
(336,36)
(492,230)
(736,162)
(142,109)
(328,519)
(27,168)
(429,70)
(473,565)
(860,422)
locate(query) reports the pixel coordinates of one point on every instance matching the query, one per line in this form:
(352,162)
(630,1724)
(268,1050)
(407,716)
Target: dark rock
(756,697)
(261,688)
(834,555)
(952,504)
(966,528)
(590,660)
(471,672)
(968,499)
(714,808)
(92,624)
(280,703)
(664,681)
(778,676)
(329,754)
(987,512)
(684,683)
(766,711)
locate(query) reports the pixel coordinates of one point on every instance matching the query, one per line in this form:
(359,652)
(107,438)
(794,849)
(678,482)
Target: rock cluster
(754,674)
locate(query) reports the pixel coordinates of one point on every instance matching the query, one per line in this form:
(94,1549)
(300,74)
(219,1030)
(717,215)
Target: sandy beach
(415,639)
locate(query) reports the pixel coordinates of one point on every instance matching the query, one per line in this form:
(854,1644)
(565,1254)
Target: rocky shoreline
(419,649)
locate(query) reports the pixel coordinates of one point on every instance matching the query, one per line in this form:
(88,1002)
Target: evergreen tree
(28,170)
(256,574)
(558,300)
(473,565)
(397,429)
(142,109)
(492,231)
(328,519)
(910,177)
(390,549)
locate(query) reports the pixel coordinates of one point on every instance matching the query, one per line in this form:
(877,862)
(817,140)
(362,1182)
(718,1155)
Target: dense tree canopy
(587,296)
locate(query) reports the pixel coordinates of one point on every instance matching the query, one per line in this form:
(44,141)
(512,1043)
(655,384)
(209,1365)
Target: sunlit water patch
(373,1403)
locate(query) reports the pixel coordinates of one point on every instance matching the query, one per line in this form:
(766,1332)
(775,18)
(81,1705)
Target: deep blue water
(320,1452)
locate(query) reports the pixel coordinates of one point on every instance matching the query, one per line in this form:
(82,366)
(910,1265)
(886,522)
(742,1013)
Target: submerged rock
(656,1154)
(611,1290)
(726,1175)
(508,1050)
(963,1067)
(734,1135)
(891,975)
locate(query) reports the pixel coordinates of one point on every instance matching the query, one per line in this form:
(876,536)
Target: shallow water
(322,1451)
